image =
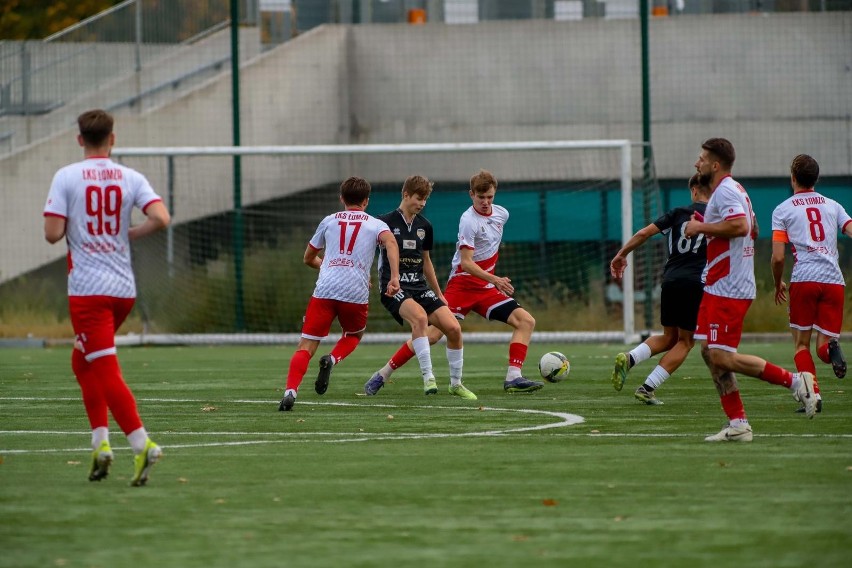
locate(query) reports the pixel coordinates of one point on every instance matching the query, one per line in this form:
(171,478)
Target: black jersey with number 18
(687,255)
(412,240)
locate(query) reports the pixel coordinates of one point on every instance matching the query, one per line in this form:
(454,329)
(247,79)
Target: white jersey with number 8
(349,239)
(809,222)
(96,197)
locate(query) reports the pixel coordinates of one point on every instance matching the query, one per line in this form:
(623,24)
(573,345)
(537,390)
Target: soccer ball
(554,367)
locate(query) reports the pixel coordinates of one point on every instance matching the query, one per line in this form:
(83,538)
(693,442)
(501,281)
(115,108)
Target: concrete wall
(775,85)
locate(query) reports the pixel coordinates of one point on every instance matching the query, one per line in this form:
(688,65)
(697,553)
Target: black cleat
(325,365)
(801,409)
(521,384)
(838,362)
(287,403)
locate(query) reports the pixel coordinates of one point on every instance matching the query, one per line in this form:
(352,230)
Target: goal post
(561,192)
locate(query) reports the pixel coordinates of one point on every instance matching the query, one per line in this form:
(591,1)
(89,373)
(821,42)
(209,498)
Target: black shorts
(679,302)
(426,298)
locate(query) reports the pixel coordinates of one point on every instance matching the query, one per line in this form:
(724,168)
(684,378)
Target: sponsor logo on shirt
(421,234)
(409,244)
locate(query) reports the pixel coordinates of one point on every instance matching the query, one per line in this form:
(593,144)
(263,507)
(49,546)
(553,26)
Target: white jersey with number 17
(809,222)
(96,197)
(349,239)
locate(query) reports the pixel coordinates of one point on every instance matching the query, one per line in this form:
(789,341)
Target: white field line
(563,419)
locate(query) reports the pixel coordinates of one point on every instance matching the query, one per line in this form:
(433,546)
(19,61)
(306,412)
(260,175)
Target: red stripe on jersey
(738,215)
(69,262)
(487,265)
(55,215)
(846,224)
(715,248)
(147,205)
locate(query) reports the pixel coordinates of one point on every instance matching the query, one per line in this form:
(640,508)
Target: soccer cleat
(805,394)
(619,372)
(521,384)
(838,361)
(431,387)
(732,434)
(101,460)
(801,408)
(461,391)
(375,383)
(325,365)
(287,403)
(144,461)
(646,396)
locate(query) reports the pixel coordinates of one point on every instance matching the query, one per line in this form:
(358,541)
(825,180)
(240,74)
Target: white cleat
(732,434)
(805,394)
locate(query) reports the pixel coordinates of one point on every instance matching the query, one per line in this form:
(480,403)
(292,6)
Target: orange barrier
(417,16)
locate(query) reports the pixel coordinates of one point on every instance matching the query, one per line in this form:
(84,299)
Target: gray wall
(775,85)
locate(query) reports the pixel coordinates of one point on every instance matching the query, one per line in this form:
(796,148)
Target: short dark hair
(695,183)
(482,181)
(417,185)
(354,190)
(805,170)
(722,149)
(95,126)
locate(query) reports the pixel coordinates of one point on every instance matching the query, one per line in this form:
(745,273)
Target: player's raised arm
(619,261)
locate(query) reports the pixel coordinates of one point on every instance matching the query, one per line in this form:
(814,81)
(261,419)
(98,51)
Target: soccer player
(729,289)
(809,222)
(474,286)
(89,204)
(682,289)
(342,291)
(419,301)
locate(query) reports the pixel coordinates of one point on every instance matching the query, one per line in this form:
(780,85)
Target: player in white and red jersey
(474,286)
(729,290)
(89,204)
(809,222)
(342,291)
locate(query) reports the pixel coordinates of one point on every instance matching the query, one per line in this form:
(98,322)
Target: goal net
(230,267)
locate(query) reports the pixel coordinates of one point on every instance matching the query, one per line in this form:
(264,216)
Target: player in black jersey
(419,301)
(682,289)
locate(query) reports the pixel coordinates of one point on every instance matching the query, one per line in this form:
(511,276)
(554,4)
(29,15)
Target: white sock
(794,384)
(455,357)
(137,440)
(513,373)
(657,377)
(291,391)
(386,371)
(640,353)
(737,422)
(424,357)
(99,434)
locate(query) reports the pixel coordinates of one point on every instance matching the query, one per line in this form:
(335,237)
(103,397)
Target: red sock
(93,396)
(517,354)
(344,347)
(822,353)
(120,400)
(401,357)
(732,404)
(776,375)
(805,364)
(298,368)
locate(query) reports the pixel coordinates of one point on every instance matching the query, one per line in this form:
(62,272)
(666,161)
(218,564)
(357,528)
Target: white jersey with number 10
(349,239)
(96,197)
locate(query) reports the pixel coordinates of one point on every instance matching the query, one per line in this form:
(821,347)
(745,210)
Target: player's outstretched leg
(326,362)
(376,382)
(838,361)
(101,461)
(619,371)
(144,461)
